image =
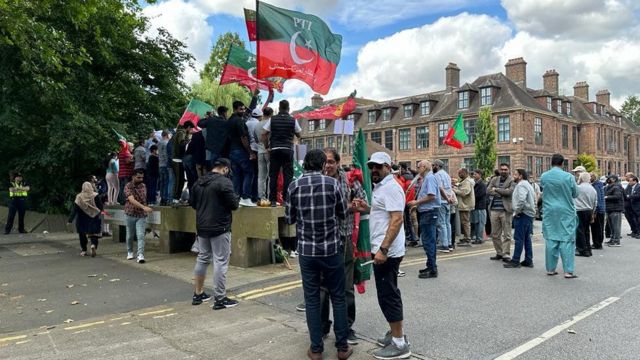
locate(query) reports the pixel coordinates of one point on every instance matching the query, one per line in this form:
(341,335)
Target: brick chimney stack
(316,100)
(581,90)
(516,70)
(452,72)
(550,81)
(603,97)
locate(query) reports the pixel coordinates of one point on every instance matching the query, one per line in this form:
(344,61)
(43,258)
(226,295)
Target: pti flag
(293,45)
(250,20)
(195,111)
(456,135)
(361,235)
(329,112)
(239,69)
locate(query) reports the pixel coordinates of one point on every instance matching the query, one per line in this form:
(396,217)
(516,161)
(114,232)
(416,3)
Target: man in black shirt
(215,130)
(240,154)
(479,215)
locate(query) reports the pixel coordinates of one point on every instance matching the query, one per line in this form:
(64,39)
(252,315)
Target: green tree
(485,141)
(588,161)
(218,57)
(631,109)
(72,70)
(210,92)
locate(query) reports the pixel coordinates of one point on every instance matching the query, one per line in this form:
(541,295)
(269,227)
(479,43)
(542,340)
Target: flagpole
(342,141)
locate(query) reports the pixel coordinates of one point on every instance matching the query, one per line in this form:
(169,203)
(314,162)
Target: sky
(397,48)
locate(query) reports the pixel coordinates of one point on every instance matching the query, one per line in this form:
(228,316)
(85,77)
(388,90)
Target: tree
(218,57)
(631,109)
(72,70)
(485,142)
(210,92)
(588,161)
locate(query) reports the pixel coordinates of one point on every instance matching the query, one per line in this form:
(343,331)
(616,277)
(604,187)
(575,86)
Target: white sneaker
(140,259)
(130,256)
(247,202)
(293,254)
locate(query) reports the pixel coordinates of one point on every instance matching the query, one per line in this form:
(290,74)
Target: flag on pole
(239,69)
(195,111)
(250,20)
(329,112)
(456,135)
(293,45)
(362,248)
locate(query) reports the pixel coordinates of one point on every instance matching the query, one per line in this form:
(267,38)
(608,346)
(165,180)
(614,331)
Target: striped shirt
(349,193)
(316,205)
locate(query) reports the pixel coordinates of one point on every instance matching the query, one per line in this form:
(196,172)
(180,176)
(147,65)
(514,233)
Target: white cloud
(235,7)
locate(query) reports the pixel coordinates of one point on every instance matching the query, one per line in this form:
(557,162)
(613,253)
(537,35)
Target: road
(475,309)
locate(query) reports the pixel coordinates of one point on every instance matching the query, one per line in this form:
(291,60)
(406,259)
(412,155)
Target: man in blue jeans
(241,155)
(316,205)
(136,211)
(428,203)
(524,209)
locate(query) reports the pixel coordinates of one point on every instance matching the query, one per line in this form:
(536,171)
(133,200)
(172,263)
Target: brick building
(531,124)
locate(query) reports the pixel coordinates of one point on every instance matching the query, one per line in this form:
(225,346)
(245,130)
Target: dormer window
(549,103)
(595,108)
(485,96)
(408,111)
(559,106)
(463,99)
(386,114)
(371,117)
(322,124)
(351,117)
(425,108)
(568,109)
(312,125)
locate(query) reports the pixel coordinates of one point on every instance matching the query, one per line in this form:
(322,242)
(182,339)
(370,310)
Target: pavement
(57,305)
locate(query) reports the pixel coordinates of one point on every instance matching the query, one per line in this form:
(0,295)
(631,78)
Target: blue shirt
(444,180)
(429,187)
(599,186)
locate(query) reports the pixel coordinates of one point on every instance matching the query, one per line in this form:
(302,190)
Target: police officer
(18,192)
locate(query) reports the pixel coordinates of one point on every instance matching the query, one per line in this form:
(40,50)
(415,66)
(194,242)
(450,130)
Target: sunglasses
(375,166)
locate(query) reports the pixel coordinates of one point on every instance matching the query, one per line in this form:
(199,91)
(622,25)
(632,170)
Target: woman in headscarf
(86,211)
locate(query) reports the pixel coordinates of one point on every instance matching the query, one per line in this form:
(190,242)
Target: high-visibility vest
(17,193)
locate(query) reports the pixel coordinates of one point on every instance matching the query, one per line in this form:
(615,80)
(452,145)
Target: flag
(195,111)
(456,135)
(293,45)
(250,20)
(297,169)
(362,248)
(239,69)
(329,112)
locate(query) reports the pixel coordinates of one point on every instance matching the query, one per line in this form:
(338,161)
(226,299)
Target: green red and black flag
(293,45)
(239,69)
(250,20)
(195,111)
(329,112)
(456,136)
(361,235)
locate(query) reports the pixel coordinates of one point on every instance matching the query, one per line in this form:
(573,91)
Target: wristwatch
(384,250)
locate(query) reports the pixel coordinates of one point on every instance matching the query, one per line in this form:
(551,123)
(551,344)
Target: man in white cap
(254,144)
(387,246)
(578,170)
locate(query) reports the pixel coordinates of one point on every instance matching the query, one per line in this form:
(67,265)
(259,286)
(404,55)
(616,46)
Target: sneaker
(428,275)
(614,244)
(224,303)
(302,307)
(401,273)
(199,298)
(352,339)
(93,251)
(526,264)
(464,243)
(385,340)
(293,254)
(392,351)
(83,253)
(130,256)
(512,265)
(444,249)
(140,259)
(247,203)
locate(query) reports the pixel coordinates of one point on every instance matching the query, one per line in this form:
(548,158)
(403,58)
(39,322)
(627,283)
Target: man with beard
(524,209)
(597,226)
(136,211)
(479,215)
(614,204)
(500,190)
(628,209)
(446,199)
(466,203)
(585,209)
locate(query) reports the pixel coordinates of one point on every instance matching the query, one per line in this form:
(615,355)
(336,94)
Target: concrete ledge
(36,222)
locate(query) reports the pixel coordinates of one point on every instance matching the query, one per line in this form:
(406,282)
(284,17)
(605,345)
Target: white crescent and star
(250,74)
(292,49)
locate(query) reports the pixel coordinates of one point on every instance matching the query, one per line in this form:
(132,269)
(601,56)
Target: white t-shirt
(387,197)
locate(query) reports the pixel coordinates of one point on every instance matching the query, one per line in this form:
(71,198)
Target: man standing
(213,198)
(444,217)
(466,203)
(217,135)
(136,211)
(428,203)
(316,205)
(500,190)
(263,155)
(634,200)
(585,209)
(479,215)
(279,142)
(18,192)
(387,246)
(628,210)
(165,169)
(614,204)
(524,209)
(140,155)
(559,221)
(597,226)
(252,123)
(240,154)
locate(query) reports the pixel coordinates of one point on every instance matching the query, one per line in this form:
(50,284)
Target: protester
(125,170)
(136,211)
(632,205)
(151,140)
(585,209)
(165,169)
(524,210)
(500,190)
(240,154)
(214,199)
(559,221)
(111,176)
(316,205)
(263,155)
(18,193)
(411,212)
(139,155)
(217,135)
(198,151)
(479,214)
(188,161)
(444,219)
(151,175)
(614,205)
(252,123)
(597,226)
(466,203)
(86,211)
(177,144)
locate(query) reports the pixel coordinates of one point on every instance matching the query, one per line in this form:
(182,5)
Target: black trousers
(583,243)
(597,230)
(16,205)
(349,292)
(632,219)
(83,241)
(389,297)
(178,184)
(280,159)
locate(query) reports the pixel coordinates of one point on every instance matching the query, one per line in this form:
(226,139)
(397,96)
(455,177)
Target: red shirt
(139,193)
(126,164)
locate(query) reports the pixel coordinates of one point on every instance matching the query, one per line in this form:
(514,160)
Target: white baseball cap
(256,112)
(579,169)
(380,158)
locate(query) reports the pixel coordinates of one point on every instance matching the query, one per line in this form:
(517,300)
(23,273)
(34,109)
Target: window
(537,130)
(485,96)
(565,165)
(565,136)
(547,163)
(574,137)
(504,160)
(312,125)
(351,117)
(408,111)
(350,148)
(549,103)
(371,117)
(319,143)
(529,164)
(339,144)
(376,137)
(322,124)
(470,129)
(330,141)
(366,136)
(559,106)
(504,131)
(463,99)
(445,167)
(443,128)
(598,139)
(425,108)
(469,164)
(386,114)
(405,139)
(388,139)
(568,109)
(539,170)
(307,143)
(422,137)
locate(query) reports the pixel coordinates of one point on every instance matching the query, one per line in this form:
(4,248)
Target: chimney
(516,70)
(316,100)
(604,97)
(452,76)
(581,90)
(550,81)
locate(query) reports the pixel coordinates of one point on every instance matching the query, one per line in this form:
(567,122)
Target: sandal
(570,276)
(552,273)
